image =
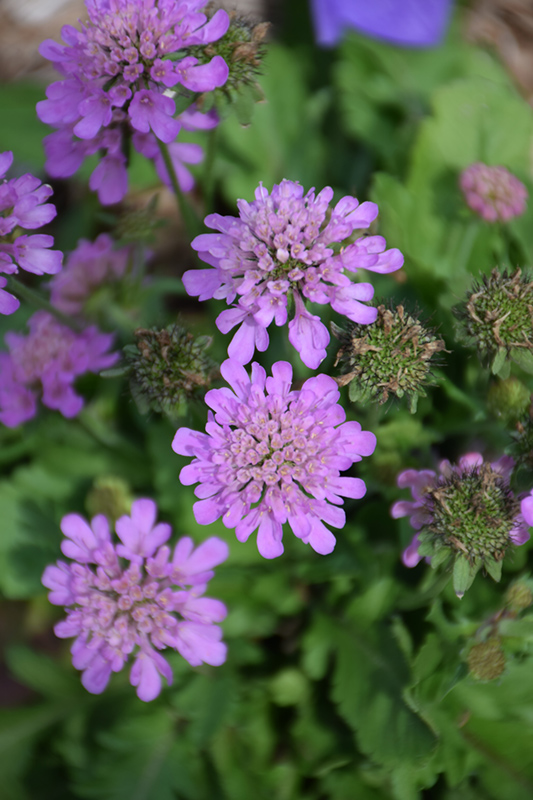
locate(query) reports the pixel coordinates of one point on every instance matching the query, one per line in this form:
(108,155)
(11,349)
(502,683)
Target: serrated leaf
(368,684)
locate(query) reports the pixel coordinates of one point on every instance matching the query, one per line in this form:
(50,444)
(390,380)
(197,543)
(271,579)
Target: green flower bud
(486,661)
(508,400)
(497,317)
(519,596)
(168,369)
(110,496)
(392,356)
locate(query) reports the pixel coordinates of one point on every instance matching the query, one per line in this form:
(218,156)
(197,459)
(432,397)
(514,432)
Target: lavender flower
(117,76)
(411,23)
(274,457)
(23,207)
(468,510)
(493,192)
(285,244)
(45,363)
(88,267)
(117,610)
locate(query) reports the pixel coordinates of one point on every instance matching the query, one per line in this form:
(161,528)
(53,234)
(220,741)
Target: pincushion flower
(87,268)
(23,207)
(118,75)
(135,598)
(467,511)
(287,244)
(494,193)
(410,23)
(273,455)
(45,364)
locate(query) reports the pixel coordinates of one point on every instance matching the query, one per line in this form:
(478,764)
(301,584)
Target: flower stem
(187,212)
(36,299)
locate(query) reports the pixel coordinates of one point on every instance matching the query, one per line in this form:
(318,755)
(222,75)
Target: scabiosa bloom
(23,206)
(493,192)
(134,599)
(117,81)
(411,23)
(45,364)
(271,455)
(286,244)
(467,511)
(88,267)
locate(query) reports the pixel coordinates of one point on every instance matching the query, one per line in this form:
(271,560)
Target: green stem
(189,216)
(36,299)
(209,177)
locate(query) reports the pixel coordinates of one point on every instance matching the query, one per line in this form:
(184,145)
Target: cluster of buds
(168,368)
(498,316)
(392,356)
(468,513)
(494,193)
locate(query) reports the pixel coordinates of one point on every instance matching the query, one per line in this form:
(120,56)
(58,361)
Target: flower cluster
(286,244)
(272,454)
(468,510)
(88,267)
(45,363)
(23,206)
(493,192)
(118,70)
(391,356)
(135,598)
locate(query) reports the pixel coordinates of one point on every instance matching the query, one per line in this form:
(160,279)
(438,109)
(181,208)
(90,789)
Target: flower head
(497,316)
(273,455)
(117,610)
(90,266)
(288,244)
(467,511)
(391,356)
(117,75)
(46,363)
(493,192)
(168,368)
(411,23)
(23,207)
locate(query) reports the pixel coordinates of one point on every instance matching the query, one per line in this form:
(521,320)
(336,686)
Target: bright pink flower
(284,244)
(273,455)
(117,610)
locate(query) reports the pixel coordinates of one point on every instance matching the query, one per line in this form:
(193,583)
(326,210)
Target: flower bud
(493,192)
(497,317)
(486,660)
(391,356)
(110,496)
(508,400)
(519,596)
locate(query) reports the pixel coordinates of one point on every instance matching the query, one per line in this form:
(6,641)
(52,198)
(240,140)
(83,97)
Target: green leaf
(463,574)
(524,359)
(368,685)
(42,673)
(494,568)
(500,364)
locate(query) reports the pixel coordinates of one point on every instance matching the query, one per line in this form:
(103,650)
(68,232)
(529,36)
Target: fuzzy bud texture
(90,266)
(468,509)
(493,192)
(287,244)
(486,660)
(117,77)
(45,364)
(23,207)
(272,455)
(135,598)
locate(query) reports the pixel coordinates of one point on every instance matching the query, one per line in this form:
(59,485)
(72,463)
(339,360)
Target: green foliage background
(346,674)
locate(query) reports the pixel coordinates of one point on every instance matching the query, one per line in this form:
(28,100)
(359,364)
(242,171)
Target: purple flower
(410,23)
(89,266)
(455,505)
(45,364)
(272,455)
(116,79)
(493,192)
(23,206)
(117,609)
(285,244)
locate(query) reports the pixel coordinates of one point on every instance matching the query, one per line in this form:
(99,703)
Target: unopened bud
(486,661)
